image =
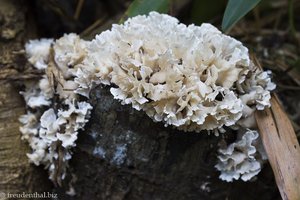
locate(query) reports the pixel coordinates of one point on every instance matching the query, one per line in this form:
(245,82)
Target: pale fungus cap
(50,130)
(241,159)
(38,52)
(191,77)
(69,51)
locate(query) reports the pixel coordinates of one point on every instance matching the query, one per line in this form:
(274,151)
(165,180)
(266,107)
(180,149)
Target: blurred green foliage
(140,7)
(206,10)
(235,10)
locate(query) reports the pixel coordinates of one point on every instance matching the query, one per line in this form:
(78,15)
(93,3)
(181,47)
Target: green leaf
(206,10)
(140,7)
(235,10)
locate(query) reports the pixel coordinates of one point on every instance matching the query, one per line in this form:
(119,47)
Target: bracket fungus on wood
(191,77)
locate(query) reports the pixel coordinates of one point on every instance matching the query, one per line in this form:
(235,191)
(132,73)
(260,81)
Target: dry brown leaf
(282,147)
(53,73)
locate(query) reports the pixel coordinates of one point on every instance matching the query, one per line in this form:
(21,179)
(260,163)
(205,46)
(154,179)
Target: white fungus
(38,52)
(241,159)
(191,77)
(51,124)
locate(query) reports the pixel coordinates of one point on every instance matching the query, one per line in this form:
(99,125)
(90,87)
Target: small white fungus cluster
(241,159)
(55,113)
(192,77)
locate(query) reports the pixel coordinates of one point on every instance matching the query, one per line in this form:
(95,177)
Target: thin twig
(288,87)
(291,18)
(78,9)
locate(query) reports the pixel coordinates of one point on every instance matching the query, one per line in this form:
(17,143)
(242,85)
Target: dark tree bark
(16,174)
(123,154)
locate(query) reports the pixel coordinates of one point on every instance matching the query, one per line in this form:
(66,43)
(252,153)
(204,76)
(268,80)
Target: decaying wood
(17,175)
(122,154)
(282,147)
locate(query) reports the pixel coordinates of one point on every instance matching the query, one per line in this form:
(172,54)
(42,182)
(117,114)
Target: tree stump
(123,154)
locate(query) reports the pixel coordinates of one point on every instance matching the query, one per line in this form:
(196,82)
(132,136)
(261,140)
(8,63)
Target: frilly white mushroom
(52,129)
(69,51)
(241,159)
(38,52)
(188,76)
(192,77)
(38,93)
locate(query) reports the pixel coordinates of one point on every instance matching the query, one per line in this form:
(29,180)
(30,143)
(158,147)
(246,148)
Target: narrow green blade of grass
(140,7)
(235,10)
